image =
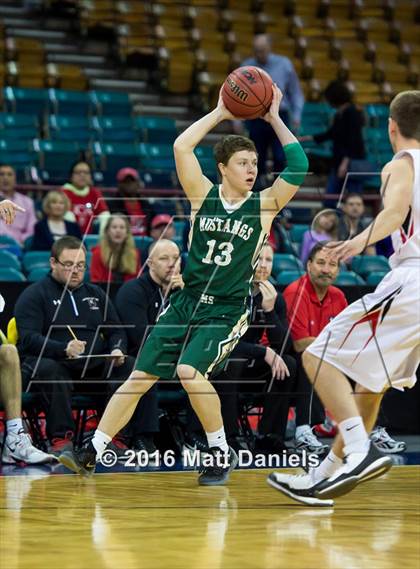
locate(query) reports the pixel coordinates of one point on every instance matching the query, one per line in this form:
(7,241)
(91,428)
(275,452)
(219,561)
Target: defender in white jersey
(376,340)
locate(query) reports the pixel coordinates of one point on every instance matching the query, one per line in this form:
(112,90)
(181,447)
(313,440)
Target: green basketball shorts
(195,330)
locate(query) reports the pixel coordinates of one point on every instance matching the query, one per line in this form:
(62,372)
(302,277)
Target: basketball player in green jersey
(204,321)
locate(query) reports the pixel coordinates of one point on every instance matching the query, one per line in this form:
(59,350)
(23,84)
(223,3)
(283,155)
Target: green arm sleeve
(297,164)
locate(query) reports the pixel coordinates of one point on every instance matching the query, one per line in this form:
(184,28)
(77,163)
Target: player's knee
(8,355)
(140,381)
(308,361)
(186,375)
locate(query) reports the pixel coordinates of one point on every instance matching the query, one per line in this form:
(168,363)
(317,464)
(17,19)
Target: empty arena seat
(114,129)
(63,102)
(297,231)
(90,241)
(349,278)
(287,277)
(363,265)
(158,156)
(285,262)
(111,103)
(7,259)
(11,275)
(35,259)
(55,155)
(14,126)
(69,128)
(112,157)
(143,243)
(38,273)
(156,129)
(26,101)
(375,277)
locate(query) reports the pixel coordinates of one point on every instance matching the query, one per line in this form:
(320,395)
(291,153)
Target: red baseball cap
(125,172)
(161,219)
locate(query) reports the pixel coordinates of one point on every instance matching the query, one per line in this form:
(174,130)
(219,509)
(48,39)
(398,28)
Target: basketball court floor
(161,519)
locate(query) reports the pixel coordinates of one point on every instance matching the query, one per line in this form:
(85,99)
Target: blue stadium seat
(9,260)
(38,273)
(158,156)
(72,103)
(297,231)
(90,241)
(156,129)
(7,240)
(375,277)
(26,101)
(111,103)
(143,243)
(113,129)
(34,259)
(349,278)
(69,128)
(285,262)
(55,155)
(287,277)
(14,126)
(363,265)
(112,157)
(11,275)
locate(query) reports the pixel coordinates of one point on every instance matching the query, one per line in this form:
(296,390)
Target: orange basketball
(247,92)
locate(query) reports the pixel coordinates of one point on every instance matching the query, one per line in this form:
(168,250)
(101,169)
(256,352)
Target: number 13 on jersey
(225,257)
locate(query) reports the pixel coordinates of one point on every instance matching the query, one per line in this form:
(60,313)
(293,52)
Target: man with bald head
(282,72)
(139,303)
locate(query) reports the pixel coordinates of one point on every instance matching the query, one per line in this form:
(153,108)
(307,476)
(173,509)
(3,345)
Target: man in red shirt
(311,302)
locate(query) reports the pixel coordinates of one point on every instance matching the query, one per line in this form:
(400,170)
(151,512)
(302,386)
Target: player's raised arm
(273,199)
(397,192)
(194,183)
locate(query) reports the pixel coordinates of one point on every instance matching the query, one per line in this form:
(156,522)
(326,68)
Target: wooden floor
(154,520)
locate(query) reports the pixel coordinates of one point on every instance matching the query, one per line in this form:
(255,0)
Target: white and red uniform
(376,340)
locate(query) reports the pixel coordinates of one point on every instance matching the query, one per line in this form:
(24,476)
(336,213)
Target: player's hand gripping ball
(247,92)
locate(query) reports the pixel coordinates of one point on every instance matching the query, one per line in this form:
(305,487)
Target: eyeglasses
(69,266)
(81,172)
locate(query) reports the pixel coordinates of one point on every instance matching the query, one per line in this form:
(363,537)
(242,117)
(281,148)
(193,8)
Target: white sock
(327,468)
(354,435)
(218,439)
(100,441)
(14,426)
(301,429)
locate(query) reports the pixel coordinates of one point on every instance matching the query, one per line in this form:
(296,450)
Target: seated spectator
(24,223)
(87,202)
(346,134)
(50,314)
(17,445)
(55,206)
(324,228)
(162,227)
(259,362)
(311,302)
(352,222)
(139,303)
(128,200)
(116,258)
(279,235)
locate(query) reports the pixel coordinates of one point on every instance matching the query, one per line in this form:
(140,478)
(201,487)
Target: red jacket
(86,207)
(99,273)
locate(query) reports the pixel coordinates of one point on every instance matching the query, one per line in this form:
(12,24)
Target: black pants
(264,137)
(57,380)
(309,409)
(255,378)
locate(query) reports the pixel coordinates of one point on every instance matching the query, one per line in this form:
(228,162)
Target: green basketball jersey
(224,247)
